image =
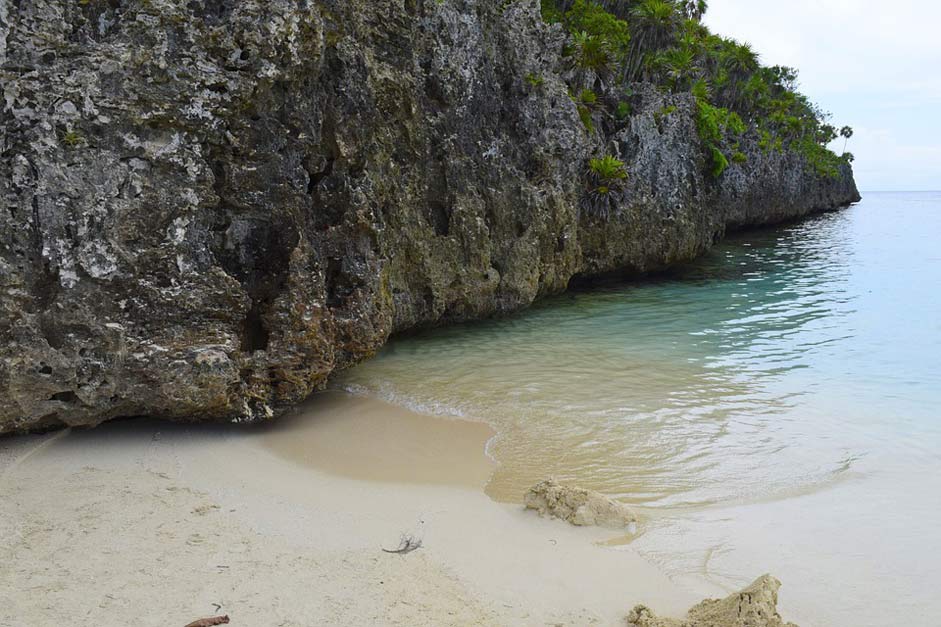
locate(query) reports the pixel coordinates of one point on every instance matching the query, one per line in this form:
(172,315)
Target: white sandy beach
(149,523)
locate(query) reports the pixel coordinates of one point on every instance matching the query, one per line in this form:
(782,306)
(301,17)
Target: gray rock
(211,205)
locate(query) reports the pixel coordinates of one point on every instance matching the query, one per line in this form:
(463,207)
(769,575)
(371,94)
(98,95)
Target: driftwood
(210,622)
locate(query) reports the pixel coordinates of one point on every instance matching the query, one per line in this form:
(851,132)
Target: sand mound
(576,505)
(755,606)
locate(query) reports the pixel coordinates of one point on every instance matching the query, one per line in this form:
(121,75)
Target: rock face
(211,205)
(576,505)
(755,606)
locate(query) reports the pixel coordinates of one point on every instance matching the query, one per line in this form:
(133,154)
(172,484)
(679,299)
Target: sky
(875,66)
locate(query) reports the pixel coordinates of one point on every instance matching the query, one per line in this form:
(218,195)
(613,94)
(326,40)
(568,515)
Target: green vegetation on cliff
(664,43)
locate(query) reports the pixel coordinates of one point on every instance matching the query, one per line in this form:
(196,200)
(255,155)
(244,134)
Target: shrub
(607,169)
(551,14)
(591,52)
(622,111)
(71,139)
(824,162)
(612,33)
(584,113)
(606,176)
(718,160)
(713,123)
(588,97)
(599,39)
(535,80)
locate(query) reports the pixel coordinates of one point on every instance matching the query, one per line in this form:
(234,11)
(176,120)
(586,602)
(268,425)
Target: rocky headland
(209,206)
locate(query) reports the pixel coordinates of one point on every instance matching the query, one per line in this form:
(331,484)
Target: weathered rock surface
(755,606)
(208,206)
(577,506)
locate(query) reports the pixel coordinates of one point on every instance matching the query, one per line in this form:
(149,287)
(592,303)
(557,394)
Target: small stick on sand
(209,622)
(407,545)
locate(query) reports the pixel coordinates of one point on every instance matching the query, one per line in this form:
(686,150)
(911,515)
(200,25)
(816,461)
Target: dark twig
(408,544)
(210,622)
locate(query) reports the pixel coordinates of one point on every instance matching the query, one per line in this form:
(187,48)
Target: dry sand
(144,523)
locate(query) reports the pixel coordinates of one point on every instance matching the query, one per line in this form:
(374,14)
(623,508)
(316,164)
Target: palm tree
(756,93)
(846,132)
(694,9)
(593,52)
(741,61)
(678,65)
(654,23)
(708,46)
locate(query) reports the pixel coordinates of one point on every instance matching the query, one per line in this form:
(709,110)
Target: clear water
(773,406)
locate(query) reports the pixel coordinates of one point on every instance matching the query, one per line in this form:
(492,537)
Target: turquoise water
(773,406)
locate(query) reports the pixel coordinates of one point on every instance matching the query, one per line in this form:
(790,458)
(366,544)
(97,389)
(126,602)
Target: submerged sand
(147,523)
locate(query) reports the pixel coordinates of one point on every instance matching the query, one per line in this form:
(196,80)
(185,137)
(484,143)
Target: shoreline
(358,437)
(154,524)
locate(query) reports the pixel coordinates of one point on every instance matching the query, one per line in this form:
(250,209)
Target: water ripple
(766,368)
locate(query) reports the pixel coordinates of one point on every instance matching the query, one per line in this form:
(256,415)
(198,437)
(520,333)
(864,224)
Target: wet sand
(148,523)
(361,438)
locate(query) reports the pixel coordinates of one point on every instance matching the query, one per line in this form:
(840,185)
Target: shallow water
(773,406)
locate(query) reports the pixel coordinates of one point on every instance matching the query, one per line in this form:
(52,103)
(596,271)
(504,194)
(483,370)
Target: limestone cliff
(208,206)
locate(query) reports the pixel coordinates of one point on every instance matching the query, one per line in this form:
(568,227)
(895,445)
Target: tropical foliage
(607,169)
(606,176)
(664,42)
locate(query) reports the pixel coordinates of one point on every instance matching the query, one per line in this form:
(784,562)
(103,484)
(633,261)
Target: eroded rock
(577,506)
(755,606)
